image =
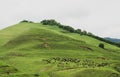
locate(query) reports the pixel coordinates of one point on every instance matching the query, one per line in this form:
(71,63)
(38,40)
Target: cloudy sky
(101,17)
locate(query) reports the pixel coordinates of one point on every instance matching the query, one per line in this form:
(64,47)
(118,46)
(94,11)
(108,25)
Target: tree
(68,28)
(84,32)
(50,22)
(89,34)
(61,26)
(53,22)
(78,31)
(101,45)
(25,21)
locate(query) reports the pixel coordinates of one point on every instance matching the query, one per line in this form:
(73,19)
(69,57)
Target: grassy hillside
(36,50)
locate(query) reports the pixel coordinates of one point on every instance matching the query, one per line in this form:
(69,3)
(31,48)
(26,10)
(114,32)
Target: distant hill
(113,39)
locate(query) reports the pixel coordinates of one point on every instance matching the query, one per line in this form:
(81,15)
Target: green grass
(24,46)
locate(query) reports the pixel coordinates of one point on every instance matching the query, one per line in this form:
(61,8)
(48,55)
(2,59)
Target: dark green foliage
(53,22)
(27,21)
(50,22)
(101,45)
(36,75)
(78,31)
(90,34)
(68,28)
(117,68)
(61,26)
(84,32)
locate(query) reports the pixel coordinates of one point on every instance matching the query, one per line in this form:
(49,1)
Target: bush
(90,34)
(53,22)
(68,28)
(84,32)
(78,31)
(36,75)
(25,21)
(50,22)
(61,26)
(101,45)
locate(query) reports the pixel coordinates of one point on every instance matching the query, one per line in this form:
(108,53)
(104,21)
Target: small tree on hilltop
(90,34)
(50,22)
(68,28)
(25,21)
(78,31)
(84,32)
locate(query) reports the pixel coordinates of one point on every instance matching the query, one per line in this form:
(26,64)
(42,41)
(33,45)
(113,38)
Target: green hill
(36,50)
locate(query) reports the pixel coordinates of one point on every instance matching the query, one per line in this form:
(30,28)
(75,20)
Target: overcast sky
(101,17)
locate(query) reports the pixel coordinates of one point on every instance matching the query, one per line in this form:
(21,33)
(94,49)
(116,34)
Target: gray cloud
(97,16)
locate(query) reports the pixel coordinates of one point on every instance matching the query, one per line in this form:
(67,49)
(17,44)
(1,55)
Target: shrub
(36,75)
(61,26)
(101,45)
(84,32)
(53,22)
(25,21)
(50,22)
(78,31)
(68,28)
(90,34)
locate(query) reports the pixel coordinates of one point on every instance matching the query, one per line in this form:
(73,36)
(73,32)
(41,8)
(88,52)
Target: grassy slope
(24,46)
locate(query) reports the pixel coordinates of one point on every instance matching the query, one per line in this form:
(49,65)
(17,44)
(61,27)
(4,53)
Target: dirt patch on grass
(43,39)
(46,45)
